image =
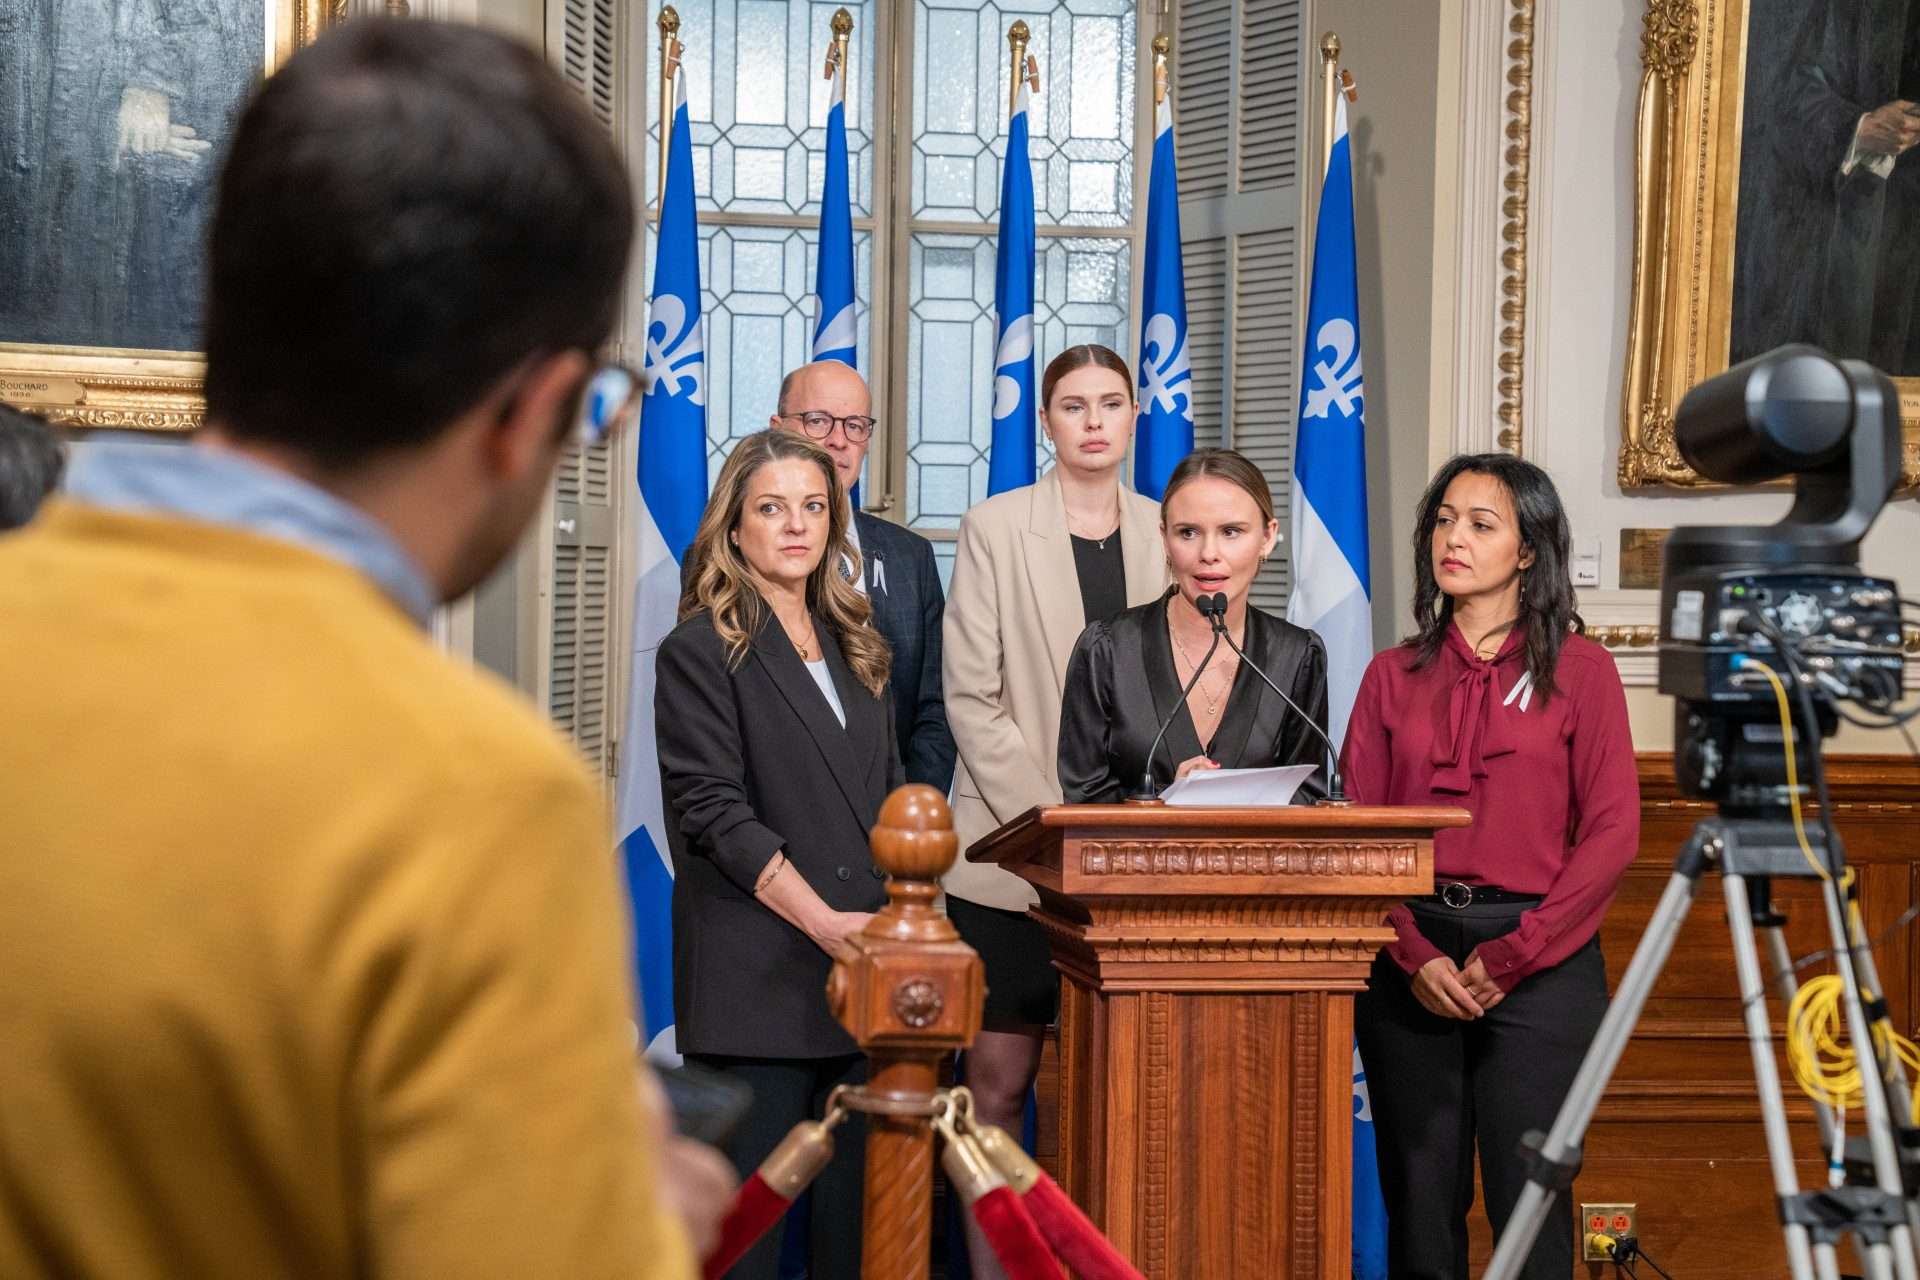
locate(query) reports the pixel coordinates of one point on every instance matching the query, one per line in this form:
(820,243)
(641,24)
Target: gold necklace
(1213,702)
(812,636)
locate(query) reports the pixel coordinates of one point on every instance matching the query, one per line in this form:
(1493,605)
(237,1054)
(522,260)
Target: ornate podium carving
(1210,958)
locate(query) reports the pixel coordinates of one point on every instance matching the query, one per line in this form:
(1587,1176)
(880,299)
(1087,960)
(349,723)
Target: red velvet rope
(1073,1236)
(1015,1240)
(755,1209)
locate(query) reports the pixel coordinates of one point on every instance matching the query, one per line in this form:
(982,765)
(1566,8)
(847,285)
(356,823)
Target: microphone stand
(1219,616)
(1148,791)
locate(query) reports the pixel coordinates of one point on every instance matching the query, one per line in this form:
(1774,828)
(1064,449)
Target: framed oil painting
(1777,199)
(113,118)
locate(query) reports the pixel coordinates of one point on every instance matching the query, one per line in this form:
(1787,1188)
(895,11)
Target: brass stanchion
(910,992)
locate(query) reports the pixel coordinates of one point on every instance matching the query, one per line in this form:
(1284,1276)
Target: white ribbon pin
(1522,689)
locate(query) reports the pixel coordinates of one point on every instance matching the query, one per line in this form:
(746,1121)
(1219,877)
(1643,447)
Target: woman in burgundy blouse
(1476,1017)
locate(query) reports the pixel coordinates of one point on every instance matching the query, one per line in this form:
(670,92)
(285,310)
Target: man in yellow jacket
(313,959)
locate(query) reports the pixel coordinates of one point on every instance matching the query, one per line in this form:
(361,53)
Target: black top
(752,761)
(903,582)
(1121,683)
(1103,575)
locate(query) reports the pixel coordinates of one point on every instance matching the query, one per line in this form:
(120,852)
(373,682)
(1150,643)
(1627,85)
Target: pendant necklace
(1213,702)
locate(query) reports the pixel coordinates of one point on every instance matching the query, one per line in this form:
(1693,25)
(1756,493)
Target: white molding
(1476,260)
(1535,418)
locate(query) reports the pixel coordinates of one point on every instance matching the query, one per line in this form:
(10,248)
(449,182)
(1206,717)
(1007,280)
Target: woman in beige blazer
(1035,566)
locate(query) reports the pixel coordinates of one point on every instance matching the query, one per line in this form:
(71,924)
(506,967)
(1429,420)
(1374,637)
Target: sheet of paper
(1258,787)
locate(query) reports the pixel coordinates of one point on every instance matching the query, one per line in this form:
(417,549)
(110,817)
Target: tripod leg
(1787,986)
(1570,1125)
(1879,1119)
(1899,1097)
(1766,1074)
(1826,1262)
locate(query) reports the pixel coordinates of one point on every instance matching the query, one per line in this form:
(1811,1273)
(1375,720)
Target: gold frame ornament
(138,389)
(1686,186)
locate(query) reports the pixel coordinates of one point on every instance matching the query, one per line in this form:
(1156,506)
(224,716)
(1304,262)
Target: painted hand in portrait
(1828,236)
(112,116)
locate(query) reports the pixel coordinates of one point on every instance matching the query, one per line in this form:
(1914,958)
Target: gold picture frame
(143,388)
(1687,182)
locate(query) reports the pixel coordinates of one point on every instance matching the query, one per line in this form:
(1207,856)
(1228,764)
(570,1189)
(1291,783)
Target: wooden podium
(1210,959)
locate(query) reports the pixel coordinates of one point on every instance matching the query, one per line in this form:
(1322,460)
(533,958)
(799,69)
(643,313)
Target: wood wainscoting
(1678,1132)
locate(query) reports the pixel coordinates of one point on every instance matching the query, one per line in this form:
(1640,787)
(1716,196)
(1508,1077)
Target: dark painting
(1827,234)
(113,117)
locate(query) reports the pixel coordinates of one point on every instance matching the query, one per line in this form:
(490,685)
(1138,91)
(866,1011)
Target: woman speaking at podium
(1125,677)
(1476,1017)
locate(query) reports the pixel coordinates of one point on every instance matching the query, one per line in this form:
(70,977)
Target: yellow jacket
(313,960)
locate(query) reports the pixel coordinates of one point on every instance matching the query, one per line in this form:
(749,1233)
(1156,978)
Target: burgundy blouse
(1550,782)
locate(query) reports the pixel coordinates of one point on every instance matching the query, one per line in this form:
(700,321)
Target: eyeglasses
(608,403)
(819,426)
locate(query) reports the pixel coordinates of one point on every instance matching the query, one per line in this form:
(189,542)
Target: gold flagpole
(842,35)
(669,24)
(1329,90)
(1018,36)
(1162,52)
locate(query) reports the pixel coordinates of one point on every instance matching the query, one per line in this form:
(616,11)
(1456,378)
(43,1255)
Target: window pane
(1081,121)
(1082,297)
(759,104)
(758,305)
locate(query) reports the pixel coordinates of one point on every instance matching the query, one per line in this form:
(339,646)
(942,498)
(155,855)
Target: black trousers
(1440,1086)
(785,1092)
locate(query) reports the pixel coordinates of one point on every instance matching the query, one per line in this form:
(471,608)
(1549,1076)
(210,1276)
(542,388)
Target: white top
(824,678)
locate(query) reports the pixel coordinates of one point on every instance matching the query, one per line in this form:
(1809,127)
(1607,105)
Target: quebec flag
(1010,459)
(1163,433)
(1330,581)
(673,491)
(834,334)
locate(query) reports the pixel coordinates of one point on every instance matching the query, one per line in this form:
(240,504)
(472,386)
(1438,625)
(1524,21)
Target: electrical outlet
(1608,1219)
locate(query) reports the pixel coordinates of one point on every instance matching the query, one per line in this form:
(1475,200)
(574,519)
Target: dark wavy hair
(1547,611)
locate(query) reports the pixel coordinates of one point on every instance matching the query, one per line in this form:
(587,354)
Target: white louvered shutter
(1237,102)
(581,531)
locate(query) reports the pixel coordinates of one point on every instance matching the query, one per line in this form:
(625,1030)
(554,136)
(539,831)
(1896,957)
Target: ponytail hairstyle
(1547,610)
(1080,357)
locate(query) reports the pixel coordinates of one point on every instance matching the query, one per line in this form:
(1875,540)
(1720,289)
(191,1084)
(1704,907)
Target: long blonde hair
(721,582)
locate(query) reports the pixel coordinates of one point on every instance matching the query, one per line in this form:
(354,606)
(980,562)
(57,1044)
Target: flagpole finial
(1019,35)
(669,21)
(1162,54)
(1330,47)
(842,23)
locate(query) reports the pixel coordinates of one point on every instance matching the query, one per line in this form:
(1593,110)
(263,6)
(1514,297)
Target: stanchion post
(910,992)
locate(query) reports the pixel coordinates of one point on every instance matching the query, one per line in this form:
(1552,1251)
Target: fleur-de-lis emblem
(1166,377)
(1016,344)
(1339,377)
(676,350)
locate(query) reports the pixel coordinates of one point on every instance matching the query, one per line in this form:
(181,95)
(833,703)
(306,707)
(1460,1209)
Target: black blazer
(903,581)
(752,761)
(1121,684)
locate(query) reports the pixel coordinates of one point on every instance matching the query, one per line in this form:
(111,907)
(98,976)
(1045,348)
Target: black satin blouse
(1121,684)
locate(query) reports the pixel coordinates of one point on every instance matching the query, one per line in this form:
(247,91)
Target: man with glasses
(316,958)
(829,402)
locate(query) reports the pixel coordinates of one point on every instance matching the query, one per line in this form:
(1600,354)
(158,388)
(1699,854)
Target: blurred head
(1218,524)
(419,240)
(1491,528)
(777,520)
(828,402)
(31,461)
(1086,398)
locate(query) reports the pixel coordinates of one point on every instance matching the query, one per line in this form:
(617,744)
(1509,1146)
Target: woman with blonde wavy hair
(776,741)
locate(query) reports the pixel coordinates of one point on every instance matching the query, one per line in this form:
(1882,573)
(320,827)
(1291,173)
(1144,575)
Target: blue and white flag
(1163,434)
(1331,591)
(1010,460)
(835,336)
(673,491)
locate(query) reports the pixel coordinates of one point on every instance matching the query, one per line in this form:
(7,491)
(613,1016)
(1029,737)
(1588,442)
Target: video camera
(1789,595)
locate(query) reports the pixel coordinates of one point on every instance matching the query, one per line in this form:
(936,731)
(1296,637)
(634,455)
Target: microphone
(1207,605)
(1218,613)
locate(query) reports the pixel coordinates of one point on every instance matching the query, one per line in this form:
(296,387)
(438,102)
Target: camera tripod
(1878,1212)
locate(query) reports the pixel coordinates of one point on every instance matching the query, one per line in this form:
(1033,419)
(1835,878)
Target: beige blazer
(1013,614)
